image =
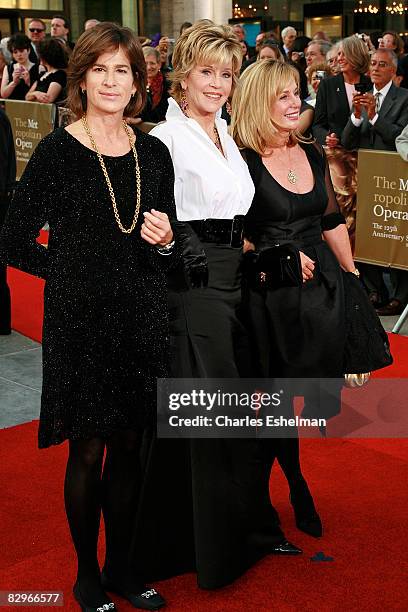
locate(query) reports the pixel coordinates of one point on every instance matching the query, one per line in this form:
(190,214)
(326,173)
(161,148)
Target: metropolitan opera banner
(30,122)
(382,209)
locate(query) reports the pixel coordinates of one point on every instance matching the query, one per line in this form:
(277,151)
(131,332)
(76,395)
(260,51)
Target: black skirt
(205,505)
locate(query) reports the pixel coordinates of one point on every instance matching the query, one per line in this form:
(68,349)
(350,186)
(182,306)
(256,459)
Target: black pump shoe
(146,599)
(286,548)
(104,607)
(306,516)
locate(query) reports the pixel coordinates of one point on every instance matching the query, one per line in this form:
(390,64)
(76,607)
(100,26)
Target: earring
(83,99)
(228,107)
(184,103)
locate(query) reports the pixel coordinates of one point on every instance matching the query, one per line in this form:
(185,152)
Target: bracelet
(166,249)
(356,272)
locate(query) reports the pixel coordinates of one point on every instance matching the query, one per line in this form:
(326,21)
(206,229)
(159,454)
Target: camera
(320,74)
(363,88)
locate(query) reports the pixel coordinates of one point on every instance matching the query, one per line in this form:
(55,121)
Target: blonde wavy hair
(204,43)
(258,89)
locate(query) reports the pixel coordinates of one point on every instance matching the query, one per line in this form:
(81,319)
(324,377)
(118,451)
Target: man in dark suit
(7,180)
(36,33)
(377,120)
(288,39)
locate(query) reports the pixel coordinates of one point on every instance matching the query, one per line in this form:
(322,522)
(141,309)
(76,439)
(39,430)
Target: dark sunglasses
(38,30)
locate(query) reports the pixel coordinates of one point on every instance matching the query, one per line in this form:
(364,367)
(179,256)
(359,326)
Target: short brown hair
(91,45)
(204,42)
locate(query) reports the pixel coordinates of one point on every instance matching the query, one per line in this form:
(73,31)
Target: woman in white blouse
(221,518)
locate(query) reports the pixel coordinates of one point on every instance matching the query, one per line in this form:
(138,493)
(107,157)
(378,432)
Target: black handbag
(367,347)
(273,267)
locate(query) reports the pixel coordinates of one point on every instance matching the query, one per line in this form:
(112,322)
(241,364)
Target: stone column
(130,14)
(174,13)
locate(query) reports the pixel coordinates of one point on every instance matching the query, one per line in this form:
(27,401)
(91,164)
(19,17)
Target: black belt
(220,231)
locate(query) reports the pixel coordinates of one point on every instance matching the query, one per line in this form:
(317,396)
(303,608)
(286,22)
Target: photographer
(377,120)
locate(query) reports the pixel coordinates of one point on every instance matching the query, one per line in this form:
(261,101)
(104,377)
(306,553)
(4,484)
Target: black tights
(5,306)
(115,490)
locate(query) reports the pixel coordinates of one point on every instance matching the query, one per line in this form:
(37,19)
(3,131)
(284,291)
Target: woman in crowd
(270,50)
(245,50)
(222,520)
(105,338)
(50,86)
(332,59)
(157,87)
(299,331)
(391,40)
(335,97)
(315,74)
(18,76)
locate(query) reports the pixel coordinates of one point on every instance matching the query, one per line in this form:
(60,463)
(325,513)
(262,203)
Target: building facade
(148,17)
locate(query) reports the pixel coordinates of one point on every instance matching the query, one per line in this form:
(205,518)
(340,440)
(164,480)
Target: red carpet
(361,493)
(360,487)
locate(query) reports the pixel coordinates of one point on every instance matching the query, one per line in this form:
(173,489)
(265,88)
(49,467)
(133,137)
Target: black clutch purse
(274,267)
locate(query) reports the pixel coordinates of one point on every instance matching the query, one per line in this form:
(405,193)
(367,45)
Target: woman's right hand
(307,266)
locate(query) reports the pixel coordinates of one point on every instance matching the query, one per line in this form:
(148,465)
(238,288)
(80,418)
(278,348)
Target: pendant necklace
(292,176)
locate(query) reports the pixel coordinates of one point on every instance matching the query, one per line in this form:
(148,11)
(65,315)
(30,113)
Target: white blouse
(207,184)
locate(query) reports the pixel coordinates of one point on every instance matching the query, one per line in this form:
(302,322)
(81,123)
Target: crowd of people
(160,263)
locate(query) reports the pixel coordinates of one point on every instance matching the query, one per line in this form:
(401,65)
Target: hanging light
(396,8)
(361,8)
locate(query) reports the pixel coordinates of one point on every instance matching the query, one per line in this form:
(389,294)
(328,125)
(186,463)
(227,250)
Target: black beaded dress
(299,332)
(105,334)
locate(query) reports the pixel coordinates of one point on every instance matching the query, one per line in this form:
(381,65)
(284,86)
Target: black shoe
(306,516)
(286,548)
(104,606)
(146,599)
(312,525)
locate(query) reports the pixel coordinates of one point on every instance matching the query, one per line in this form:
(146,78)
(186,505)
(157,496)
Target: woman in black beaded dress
(299,332)
(105,337)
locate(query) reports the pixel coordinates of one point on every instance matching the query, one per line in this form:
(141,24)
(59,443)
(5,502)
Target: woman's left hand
(156,228)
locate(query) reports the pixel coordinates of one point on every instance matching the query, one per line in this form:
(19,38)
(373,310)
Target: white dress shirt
(383,92)
(207,184)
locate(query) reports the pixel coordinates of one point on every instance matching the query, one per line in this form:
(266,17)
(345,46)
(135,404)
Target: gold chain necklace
(107,179)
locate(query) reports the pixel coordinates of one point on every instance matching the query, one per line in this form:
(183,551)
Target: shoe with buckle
(286,548)
(394,307)
(145,599)
(106,606)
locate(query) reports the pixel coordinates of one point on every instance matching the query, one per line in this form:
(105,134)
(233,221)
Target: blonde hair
(258,89)
(356,53)
(204,43)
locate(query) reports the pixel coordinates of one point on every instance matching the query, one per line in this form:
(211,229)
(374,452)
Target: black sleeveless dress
(298,331)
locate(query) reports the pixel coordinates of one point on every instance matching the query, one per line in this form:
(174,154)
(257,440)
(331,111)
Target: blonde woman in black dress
(105,337)
(299,331)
